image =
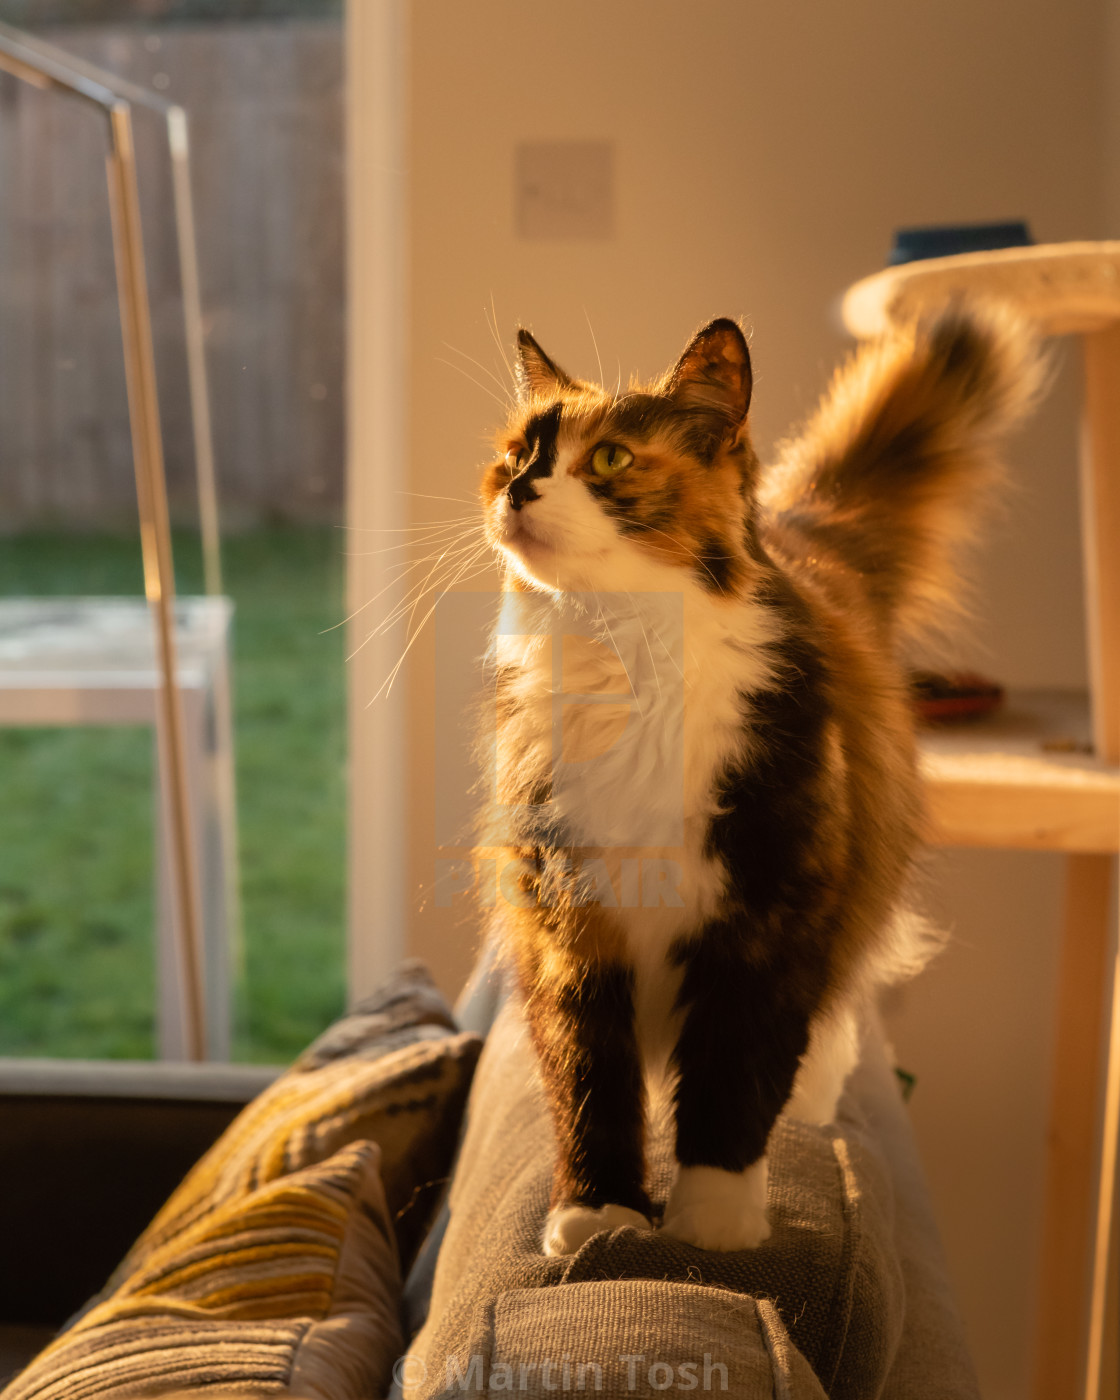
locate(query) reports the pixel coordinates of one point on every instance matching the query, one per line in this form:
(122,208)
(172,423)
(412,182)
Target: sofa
(364,1228)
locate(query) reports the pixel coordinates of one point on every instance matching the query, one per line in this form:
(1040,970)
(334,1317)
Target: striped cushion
(275,1267)
(291,1289)
(392,1071)
(409,1101)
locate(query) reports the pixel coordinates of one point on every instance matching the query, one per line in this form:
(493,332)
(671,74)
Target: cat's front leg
(581,1019)
(834,1046)
(743,1033)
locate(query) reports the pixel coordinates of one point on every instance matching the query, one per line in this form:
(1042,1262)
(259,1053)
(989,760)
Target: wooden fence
(265,108)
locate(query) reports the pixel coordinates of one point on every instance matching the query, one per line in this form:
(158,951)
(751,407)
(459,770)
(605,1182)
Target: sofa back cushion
(825,1289)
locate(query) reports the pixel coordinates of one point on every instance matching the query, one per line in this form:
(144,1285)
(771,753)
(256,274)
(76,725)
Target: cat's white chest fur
(638,797)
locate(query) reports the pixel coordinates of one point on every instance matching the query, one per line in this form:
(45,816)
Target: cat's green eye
(609,459)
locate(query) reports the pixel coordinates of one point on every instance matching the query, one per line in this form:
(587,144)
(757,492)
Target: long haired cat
(710,849)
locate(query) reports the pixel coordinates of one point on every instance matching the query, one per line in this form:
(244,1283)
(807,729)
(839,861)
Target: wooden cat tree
(998,786)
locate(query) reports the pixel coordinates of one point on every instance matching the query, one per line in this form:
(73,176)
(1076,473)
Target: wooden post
(1085,1102)
(1100,532)
(1071,1147)
(1100,494)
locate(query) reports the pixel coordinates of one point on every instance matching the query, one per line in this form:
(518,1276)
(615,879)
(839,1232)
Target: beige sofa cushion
(817,1310)
(623,1337)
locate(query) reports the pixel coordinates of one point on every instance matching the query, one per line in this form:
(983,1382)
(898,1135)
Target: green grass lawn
(76,941)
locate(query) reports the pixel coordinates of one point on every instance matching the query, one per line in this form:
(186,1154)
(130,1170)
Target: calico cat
(767,776)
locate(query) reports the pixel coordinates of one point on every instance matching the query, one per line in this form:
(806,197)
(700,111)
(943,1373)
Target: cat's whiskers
(411,600)
(435,537)
(645,638)
(455,553)
(407,529)
(602,617)
(664,647)
(502,403)
(459,500)
(492,324)
(465,572)
(402,606)
(445,559)
(403,570)
(595,343)
(503,388)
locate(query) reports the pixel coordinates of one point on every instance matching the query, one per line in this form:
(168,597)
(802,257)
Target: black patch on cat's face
(620,506)
(541,433)
(636,510)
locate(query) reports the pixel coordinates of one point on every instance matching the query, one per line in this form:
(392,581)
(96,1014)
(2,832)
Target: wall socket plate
(564,189)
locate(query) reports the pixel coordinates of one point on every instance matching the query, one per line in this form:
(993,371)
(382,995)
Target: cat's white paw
(568,1228)
(719,1210)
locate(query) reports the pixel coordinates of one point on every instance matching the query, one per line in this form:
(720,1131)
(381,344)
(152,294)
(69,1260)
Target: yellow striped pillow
(409,1102)
(292,1289)
(275,1266)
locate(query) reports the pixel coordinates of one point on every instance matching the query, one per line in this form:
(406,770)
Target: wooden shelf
(991,782)
(1066,288)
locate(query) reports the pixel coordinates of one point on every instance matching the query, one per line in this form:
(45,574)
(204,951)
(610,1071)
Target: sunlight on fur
(704,762)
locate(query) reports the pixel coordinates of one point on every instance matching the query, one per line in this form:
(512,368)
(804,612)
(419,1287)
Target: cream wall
(764,153)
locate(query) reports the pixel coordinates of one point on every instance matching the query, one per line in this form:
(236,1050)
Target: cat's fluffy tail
(896,465)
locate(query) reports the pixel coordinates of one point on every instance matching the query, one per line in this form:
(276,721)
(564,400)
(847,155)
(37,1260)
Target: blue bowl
(943,240)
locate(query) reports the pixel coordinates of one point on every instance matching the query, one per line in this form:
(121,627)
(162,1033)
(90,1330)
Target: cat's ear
(536,373)
(714,373)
